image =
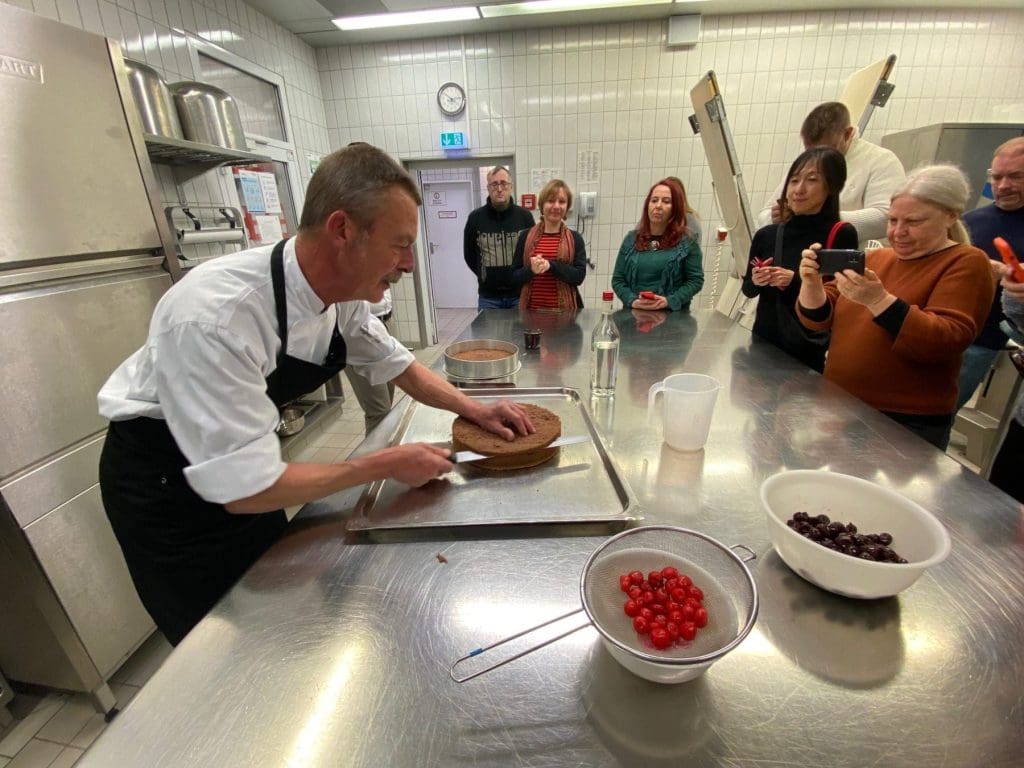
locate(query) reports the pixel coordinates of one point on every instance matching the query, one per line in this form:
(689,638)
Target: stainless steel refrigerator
(82,264)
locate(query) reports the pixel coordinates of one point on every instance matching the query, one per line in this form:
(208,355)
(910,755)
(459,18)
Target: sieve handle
(503,662)
(751,554)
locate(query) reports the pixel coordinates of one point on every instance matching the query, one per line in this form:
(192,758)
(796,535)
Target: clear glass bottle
(604,351)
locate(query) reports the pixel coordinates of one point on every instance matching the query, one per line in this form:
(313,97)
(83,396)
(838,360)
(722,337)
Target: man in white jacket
(872,172)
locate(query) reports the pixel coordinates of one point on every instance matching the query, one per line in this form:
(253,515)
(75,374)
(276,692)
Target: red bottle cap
(607,296)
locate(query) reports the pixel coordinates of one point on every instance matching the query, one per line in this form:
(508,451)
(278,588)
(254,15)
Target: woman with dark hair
(553,257)
(659,256)
(810,214)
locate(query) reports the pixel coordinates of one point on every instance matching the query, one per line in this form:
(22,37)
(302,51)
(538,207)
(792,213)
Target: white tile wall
(547,95)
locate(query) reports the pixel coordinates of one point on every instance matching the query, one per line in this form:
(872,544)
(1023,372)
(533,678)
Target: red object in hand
(1009,259)
(649,295)
(759,263)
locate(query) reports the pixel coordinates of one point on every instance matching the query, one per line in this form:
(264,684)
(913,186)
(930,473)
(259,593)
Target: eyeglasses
(499,185)
(1014,178)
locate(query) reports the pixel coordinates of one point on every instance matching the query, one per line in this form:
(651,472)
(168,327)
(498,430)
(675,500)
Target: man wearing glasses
(489,242)
(1005,219)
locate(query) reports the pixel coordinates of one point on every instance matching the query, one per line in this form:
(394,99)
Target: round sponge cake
(523,451)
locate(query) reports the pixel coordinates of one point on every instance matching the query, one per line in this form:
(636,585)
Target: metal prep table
(333,651)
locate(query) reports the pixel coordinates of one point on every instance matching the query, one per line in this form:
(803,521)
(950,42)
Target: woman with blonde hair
(553,257)
(899,331)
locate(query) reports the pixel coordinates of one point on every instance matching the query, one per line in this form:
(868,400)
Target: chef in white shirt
(191,474)
(374,399)
(873,173)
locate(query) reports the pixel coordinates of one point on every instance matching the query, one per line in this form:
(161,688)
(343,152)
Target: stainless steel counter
(333,651)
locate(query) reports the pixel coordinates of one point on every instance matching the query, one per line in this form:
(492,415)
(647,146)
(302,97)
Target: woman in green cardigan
(660,256)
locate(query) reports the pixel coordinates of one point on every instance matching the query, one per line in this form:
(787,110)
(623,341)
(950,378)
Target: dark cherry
(851,528)
(885,538)
(824,519)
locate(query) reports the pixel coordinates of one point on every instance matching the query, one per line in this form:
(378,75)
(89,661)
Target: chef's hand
(539,265)
(415,464)
(658,302)
(761,276)
(502,417)
(777,210)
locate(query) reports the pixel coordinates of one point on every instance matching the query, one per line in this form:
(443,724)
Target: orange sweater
(950,294)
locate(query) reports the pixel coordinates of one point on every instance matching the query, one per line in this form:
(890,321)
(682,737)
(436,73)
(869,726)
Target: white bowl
(917,535)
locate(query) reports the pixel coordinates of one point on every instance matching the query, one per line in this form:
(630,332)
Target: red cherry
(679,594)
(661,595)
(641,625)
(655,578)
(636,577)
(673,631)
(696,594)
(631,608)
(647,613)
(625,583)
(647,597)
(701,618)
(685,581)
(660,638)
(689,613)
(687,630)
(675,616)
(635,592)
(669,572)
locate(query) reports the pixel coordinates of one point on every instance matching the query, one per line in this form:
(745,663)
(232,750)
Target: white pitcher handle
(651,397)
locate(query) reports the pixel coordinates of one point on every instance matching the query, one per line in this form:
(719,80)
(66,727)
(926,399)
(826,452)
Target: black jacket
(489,243)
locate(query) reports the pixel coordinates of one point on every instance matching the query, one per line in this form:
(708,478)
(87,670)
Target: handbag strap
(778,245)
(832,234)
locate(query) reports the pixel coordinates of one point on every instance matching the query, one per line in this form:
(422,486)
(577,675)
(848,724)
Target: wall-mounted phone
(587,205)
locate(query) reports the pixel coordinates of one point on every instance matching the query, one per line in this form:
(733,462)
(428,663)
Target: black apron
(184,553)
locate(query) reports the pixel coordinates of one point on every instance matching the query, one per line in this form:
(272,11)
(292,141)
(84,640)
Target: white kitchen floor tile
(22,732)
(75,712)
(36,754)
(66,758)
(93,727)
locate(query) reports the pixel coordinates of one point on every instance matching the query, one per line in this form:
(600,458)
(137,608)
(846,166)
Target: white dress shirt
(213,340)
(873,173)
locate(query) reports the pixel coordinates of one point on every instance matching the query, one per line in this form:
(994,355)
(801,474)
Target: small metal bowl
(481,369)
(293,419)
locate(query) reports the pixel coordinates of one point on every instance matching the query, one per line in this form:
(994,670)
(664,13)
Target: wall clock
(451,98)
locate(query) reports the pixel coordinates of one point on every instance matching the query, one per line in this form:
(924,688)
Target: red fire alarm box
(529,202)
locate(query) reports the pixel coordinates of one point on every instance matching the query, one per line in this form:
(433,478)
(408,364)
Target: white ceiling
(311,19)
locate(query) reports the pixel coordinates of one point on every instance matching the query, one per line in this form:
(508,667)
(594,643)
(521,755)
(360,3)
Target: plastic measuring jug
(688,403)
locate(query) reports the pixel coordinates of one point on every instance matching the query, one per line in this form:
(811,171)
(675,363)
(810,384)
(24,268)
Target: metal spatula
(462,456)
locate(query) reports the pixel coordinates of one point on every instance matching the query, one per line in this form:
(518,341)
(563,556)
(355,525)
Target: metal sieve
(730,596)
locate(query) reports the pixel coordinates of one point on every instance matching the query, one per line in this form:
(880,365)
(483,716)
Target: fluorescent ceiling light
(408,18)
(554,6)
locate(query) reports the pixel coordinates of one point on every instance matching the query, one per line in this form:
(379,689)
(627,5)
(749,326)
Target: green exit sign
(453,140)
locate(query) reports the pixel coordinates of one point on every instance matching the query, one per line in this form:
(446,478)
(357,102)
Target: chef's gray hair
(352,180)
(943,185)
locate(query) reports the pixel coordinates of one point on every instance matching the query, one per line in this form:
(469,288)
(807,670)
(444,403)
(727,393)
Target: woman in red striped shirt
(553,257)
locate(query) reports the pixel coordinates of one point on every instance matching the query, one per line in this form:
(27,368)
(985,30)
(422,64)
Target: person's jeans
(977,361)
(488,302)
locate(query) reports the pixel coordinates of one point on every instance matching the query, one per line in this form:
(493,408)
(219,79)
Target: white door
(446,204)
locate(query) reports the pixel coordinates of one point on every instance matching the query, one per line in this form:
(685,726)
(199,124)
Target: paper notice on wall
(268,184)
(269,229)
(541,176)
(588,170)
(437,197)
(252,192)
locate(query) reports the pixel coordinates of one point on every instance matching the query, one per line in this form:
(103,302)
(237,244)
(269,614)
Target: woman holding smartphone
(810,214)
(899,330)
(659,263)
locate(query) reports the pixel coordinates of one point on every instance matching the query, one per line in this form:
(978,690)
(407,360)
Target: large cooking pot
(153,100)
(208,115)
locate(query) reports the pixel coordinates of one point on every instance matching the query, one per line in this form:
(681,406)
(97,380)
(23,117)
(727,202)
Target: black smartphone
(832,260)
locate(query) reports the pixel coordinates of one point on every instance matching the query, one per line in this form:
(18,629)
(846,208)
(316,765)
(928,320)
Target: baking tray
(581,485)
